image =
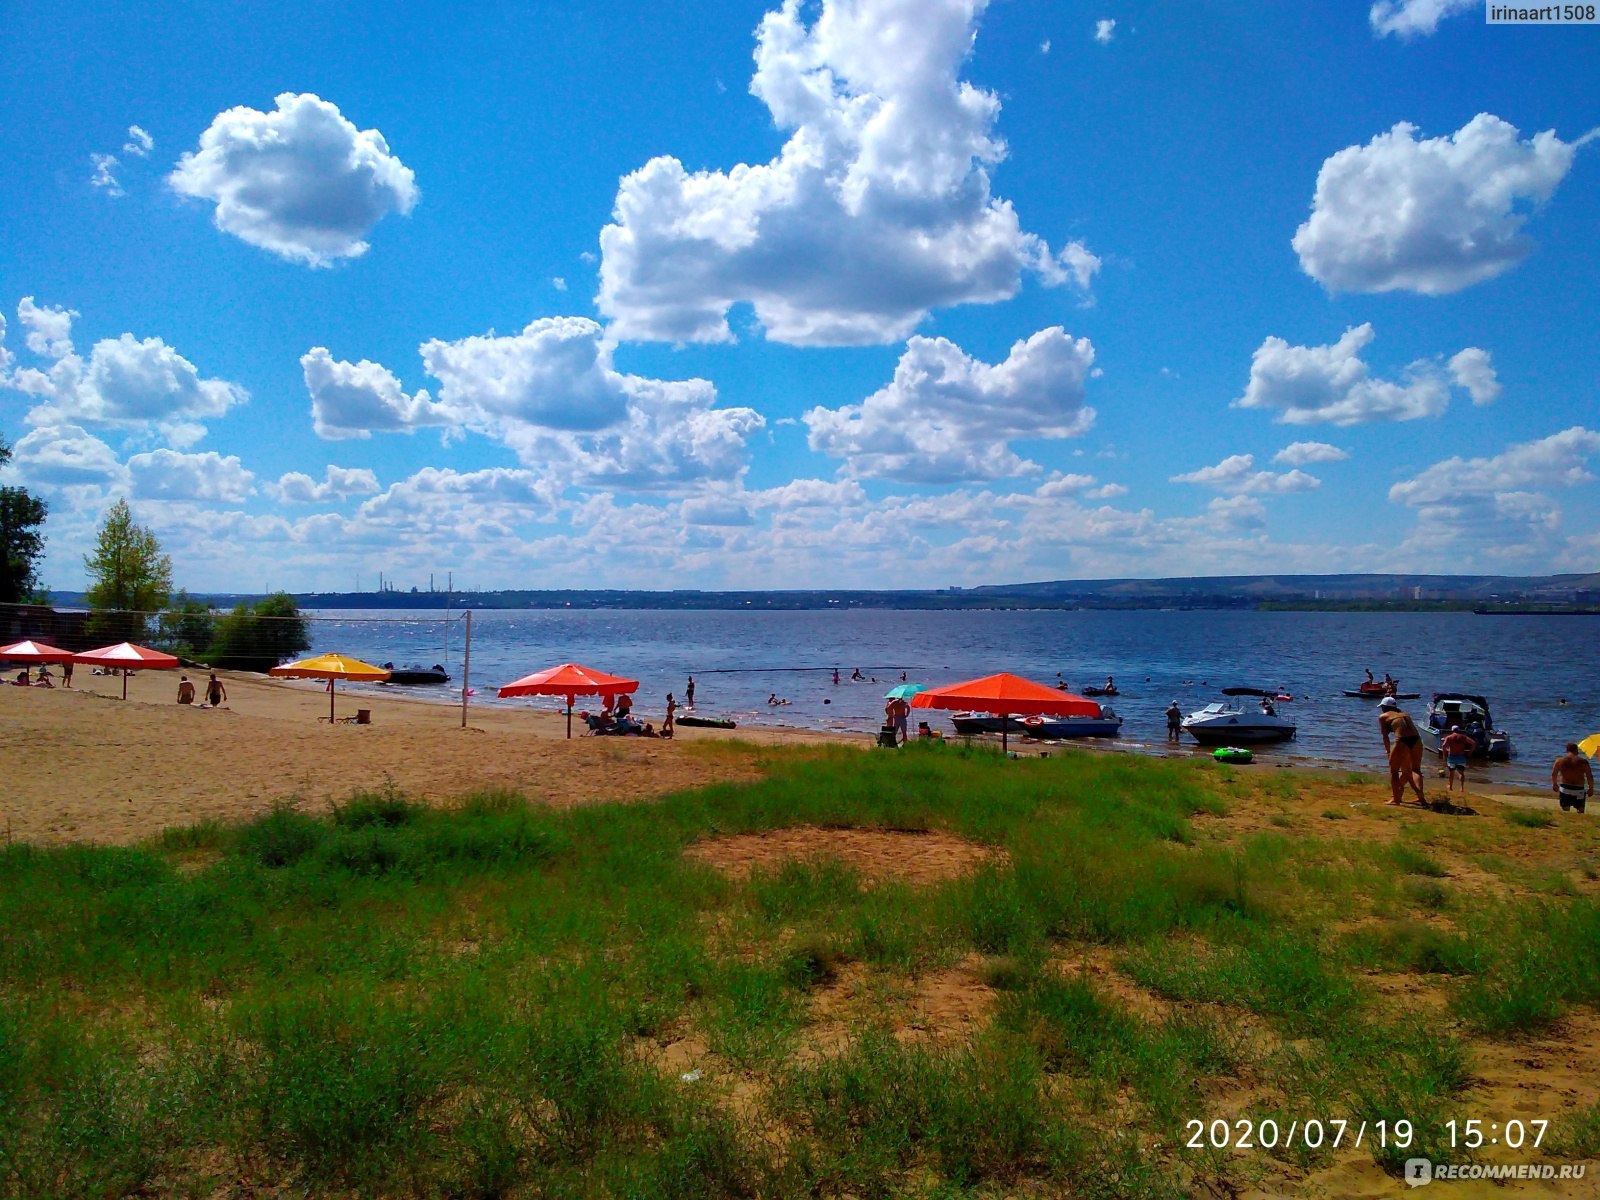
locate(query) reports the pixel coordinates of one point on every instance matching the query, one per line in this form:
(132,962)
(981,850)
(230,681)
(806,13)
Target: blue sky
(879,293)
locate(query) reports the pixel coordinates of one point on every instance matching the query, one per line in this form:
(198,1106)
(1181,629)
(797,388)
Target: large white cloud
(1310,384)
(208,477)
(338,483)
(1415,18)
(300,181)
(355,400)
(947,416)
(1433,215)
(1237,475)
(125,383)
(1558,460)
(1301,454)
(552,395)
(877,210)
(1496,509)
(67,456)
(1471,369)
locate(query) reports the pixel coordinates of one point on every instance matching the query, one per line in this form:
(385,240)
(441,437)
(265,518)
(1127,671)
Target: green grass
(501,999)
(1529,818)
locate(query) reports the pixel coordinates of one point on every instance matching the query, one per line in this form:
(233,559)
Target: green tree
(130,576)
(188,627)
(259,638)
(21,543)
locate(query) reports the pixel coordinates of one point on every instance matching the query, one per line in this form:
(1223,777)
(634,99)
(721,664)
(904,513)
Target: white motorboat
(1237,720)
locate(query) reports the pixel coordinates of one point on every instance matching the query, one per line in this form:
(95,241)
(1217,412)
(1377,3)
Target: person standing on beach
(185,690)
(1572,779)
(672,711)
(898,712)
(1405,755)
(688,693)
(66,674)
(1455,746)
(217,695)
(1174,722)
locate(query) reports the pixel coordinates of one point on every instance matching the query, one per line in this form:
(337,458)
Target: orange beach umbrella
(1006,696)
(35,652)
(570,680)
(128,657)
(331,667)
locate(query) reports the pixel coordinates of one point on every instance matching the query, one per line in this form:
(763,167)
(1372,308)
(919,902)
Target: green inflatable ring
(1232,754)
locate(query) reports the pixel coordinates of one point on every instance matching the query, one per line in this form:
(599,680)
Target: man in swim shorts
(1455,746)
(1174,722)
(1572,779)
(185,690)
(1405,755)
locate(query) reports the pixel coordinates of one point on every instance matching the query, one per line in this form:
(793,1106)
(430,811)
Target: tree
(259,638)
(130,576)
(186,629)
(21,543)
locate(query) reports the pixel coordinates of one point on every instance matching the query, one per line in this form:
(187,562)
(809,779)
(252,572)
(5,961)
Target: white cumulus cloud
(877,210)
(1433,215)
(1472,370)
(66,456)
(947,416)
(1415,18)
(552,395)
(208,477)
(300,181)
(1310,384)
(1300,454)
(1558,460)
(1237,475)
(355,400)
(1104,30)
(125,382)
(105,174)
(338,483)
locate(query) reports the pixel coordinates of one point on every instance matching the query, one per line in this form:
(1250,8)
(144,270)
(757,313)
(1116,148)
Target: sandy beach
(83,765)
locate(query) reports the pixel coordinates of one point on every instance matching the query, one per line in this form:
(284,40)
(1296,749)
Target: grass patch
(1529,818)
(503,999)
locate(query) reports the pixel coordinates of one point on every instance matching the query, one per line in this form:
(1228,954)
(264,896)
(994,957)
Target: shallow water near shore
(1524,666)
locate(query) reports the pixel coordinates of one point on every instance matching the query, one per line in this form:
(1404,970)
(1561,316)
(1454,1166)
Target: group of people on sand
(43,678)
(1571,777)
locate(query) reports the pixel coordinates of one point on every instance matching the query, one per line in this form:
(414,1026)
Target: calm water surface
(1525,666)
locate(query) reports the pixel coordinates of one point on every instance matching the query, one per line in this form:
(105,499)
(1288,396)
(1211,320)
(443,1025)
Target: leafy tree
(259,638)
(187,628)
(130,576)
(21,543)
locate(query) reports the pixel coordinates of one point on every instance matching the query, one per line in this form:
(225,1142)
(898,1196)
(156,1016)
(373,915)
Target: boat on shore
(1232,721)
(706,722)
(1106,725)
(414,674)
(1471,714)
(969,724)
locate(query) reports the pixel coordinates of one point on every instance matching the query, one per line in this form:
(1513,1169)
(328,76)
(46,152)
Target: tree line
(130,595)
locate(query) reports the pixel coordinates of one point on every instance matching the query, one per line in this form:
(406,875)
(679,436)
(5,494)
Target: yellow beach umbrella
(331,667)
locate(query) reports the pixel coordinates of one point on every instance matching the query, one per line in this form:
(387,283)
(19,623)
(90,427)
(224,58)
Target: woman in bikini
(1405,754)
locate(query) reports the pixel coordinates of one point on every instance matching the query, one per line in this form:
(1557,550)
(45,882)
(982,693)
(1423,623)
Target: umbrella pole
(124,683)
(331,684)
(1005,726)
(569,718)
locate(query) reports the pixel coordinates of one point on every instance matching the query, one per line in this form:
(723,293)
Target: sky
(849,294)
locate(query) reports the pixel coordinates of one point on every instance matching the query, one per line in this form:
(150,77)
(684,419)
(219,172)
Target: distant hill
(1494,592)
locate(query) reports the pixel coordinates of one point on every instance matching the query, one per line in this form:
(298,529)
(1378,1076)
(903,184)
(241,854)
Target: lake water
(1524,666)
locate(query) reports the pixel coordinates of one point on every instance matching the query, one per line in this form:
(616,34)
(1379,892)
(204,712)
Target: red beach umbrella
(35,652)
(570,680)
(128,657)
(1006,696)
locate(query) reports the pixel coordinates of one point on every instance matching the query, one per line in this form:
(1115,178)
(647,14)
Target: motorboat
(1235,720)
(969,723)
(1106,725)
(1472,714)
(1101,691)
(1378,693)
(413,674)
